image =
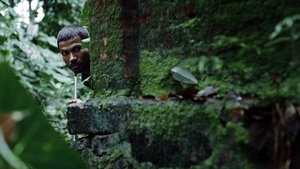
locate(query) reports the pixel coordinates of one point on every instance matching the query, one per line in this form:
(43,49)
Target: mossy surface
(172,32)
(236,33)
(155,119)
(105,46)
(155,76)
(164,134)
(226,44)
(195,125)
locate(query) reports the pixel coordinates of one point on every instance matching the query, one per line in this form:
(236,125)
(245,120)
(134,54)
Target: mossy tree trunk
(114,32)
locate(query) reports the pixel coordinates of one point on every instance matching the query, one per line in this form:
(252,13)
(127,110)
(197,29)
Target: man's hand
(74,101)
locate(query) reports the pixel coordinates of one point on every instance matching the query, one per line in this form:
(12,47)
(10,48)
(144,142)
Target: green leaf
(8,155)
(85,43)
(85,15)
(37,144)
(202,65)
(286,24)
(183,75)
(217,63)
(12,95)
(48,39)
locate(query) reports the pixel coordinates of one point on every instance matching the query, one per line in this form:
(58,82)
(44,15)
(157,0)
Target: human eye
(64,53)
(76,48)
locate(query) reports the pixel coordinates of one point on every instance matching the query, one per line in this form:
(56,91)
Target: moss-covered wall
(231,45)
(135,44)
(129,133)
(236,33)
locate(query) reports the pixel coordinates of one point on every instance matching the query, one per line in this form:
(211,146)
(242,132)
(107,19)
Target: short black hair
(71,31)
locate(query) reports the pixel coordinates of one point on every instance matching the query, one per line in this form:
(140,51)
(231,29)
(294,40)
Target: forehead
(65,45)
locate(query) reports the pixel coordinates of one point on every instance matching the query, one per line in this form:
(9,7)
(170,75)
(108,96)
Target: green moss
(155,77)
(109,161)
(112,93)
(113,31)
(144,165)
(180,121)
(237,160)
(105,47)
(234,33)
(118,157)
(114,43)
(115,154)
(155,119)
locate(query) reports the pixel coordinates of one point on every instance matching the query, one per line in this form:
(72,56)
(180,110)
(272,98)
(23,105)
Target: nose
(73,58)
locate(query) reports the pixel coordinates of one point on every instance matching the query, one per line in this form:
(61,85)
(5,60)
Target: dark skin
(76,59)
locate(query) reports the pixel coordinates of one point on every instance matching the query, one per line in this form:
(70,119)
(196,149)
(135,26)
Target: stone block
(88,119)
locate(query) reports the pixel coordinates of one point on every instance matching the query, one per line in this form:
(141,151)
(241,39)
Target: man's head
(69,43)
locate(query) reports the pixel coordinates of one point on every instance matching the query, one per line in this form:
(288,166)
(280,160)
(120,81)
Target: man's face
(77,59)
